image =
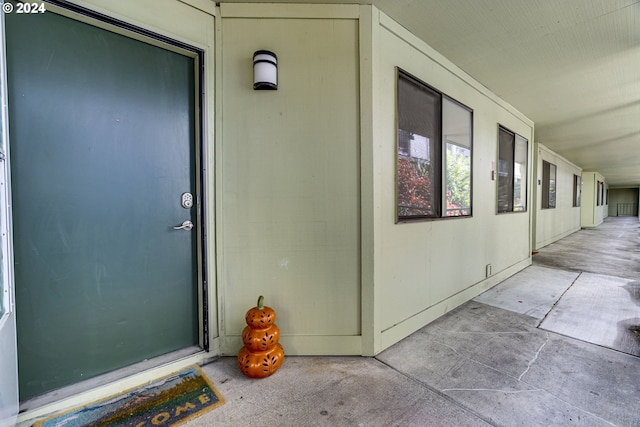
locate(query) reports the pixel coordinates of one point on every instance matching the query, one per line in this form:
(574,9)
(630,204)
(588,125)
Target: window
(602,197)
(577,190)
(512,171)
(548,185)
(456,136)
(434,148)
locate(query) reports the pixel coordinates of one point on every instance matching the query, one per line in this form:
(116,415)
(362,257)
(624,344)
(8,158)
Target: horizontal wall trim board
(418,321)
(255,10)
(305,345)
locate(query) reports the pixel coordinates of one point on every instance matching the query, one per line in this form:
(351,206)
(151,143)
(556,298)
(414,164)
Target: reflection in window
(512,171)
(431,126)
(548,185)
(456,130)
(418,129)
(577,190)
(520,174)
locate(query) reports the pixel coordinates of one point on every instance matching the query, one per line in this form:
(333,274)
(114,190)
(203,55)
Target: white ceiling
(572,66)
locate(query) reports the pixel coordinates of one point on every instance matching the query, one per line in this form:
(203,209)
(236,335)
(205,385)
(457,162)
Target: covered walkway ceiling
(572,66)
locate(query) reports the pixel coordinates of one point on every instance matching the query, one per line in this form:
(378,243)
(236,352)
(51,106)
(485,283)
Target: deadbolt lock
(186,200)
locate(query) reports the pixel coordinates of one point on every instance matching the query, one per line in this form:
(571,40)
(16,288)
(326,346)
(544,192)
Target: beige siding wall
(592,214)
(564,219)
(288,171)
(423,269)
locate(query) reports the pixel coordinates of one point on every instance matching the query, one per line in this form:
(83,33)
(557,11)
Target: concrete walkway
(612,248)
(486,363)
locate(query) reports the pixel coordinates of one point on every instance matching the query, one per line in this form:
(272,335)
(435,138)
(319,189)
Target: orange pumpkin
(260,339)
(260,364)
(260,317)
(261,355)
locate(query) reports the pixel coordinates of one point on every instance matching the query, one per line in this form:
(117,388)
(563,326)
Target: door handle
(186,225)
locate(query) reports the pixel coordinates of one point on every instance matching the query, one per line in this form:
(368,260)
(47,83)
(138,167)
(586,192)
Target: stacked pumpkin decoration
(261,355)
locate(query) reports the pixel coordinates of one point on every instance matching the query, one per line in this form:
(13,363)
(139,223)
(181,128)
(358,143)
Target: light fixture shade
(265,70)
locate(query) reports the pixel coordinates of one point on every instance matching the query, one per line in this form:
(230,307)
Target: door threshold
(104,379)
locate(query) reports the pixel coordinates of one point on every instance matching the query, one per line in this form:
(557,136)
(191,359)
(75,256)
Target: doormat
(169,401)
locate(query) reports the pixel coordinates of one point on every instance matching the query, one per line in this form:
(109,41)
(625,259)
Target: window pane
(505,170)
(552,185)
(520,174)
(545,184)
(548,185)
(456,134)
(577,190)
(456,123)
(418,167)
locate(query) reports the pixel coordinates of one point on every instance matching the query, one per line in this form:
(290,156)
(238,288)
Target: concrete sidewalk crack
(558,300)
(492,389)
(439,393)
(535,357)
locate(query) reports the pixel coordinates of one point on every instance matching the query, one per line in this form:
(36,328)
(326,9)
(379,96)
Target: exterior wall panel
(289,180)
(564,219)
(426,268)
(592,212)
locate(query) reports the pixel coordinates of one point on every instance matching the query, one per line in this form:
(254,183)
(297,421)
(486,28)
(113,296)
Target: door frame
(168,31)
(8,342)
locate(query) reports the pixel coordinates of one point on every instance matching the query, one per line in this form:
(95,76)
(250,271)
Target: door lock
(186,200)
(186,225)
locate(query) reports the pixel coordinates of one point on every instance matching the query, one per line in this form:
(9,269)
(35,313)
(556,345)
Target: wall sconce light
(265,70)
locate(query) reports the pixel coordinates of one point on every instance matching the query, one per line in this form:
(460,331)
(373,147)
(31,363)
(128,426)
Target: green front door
(102,140)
